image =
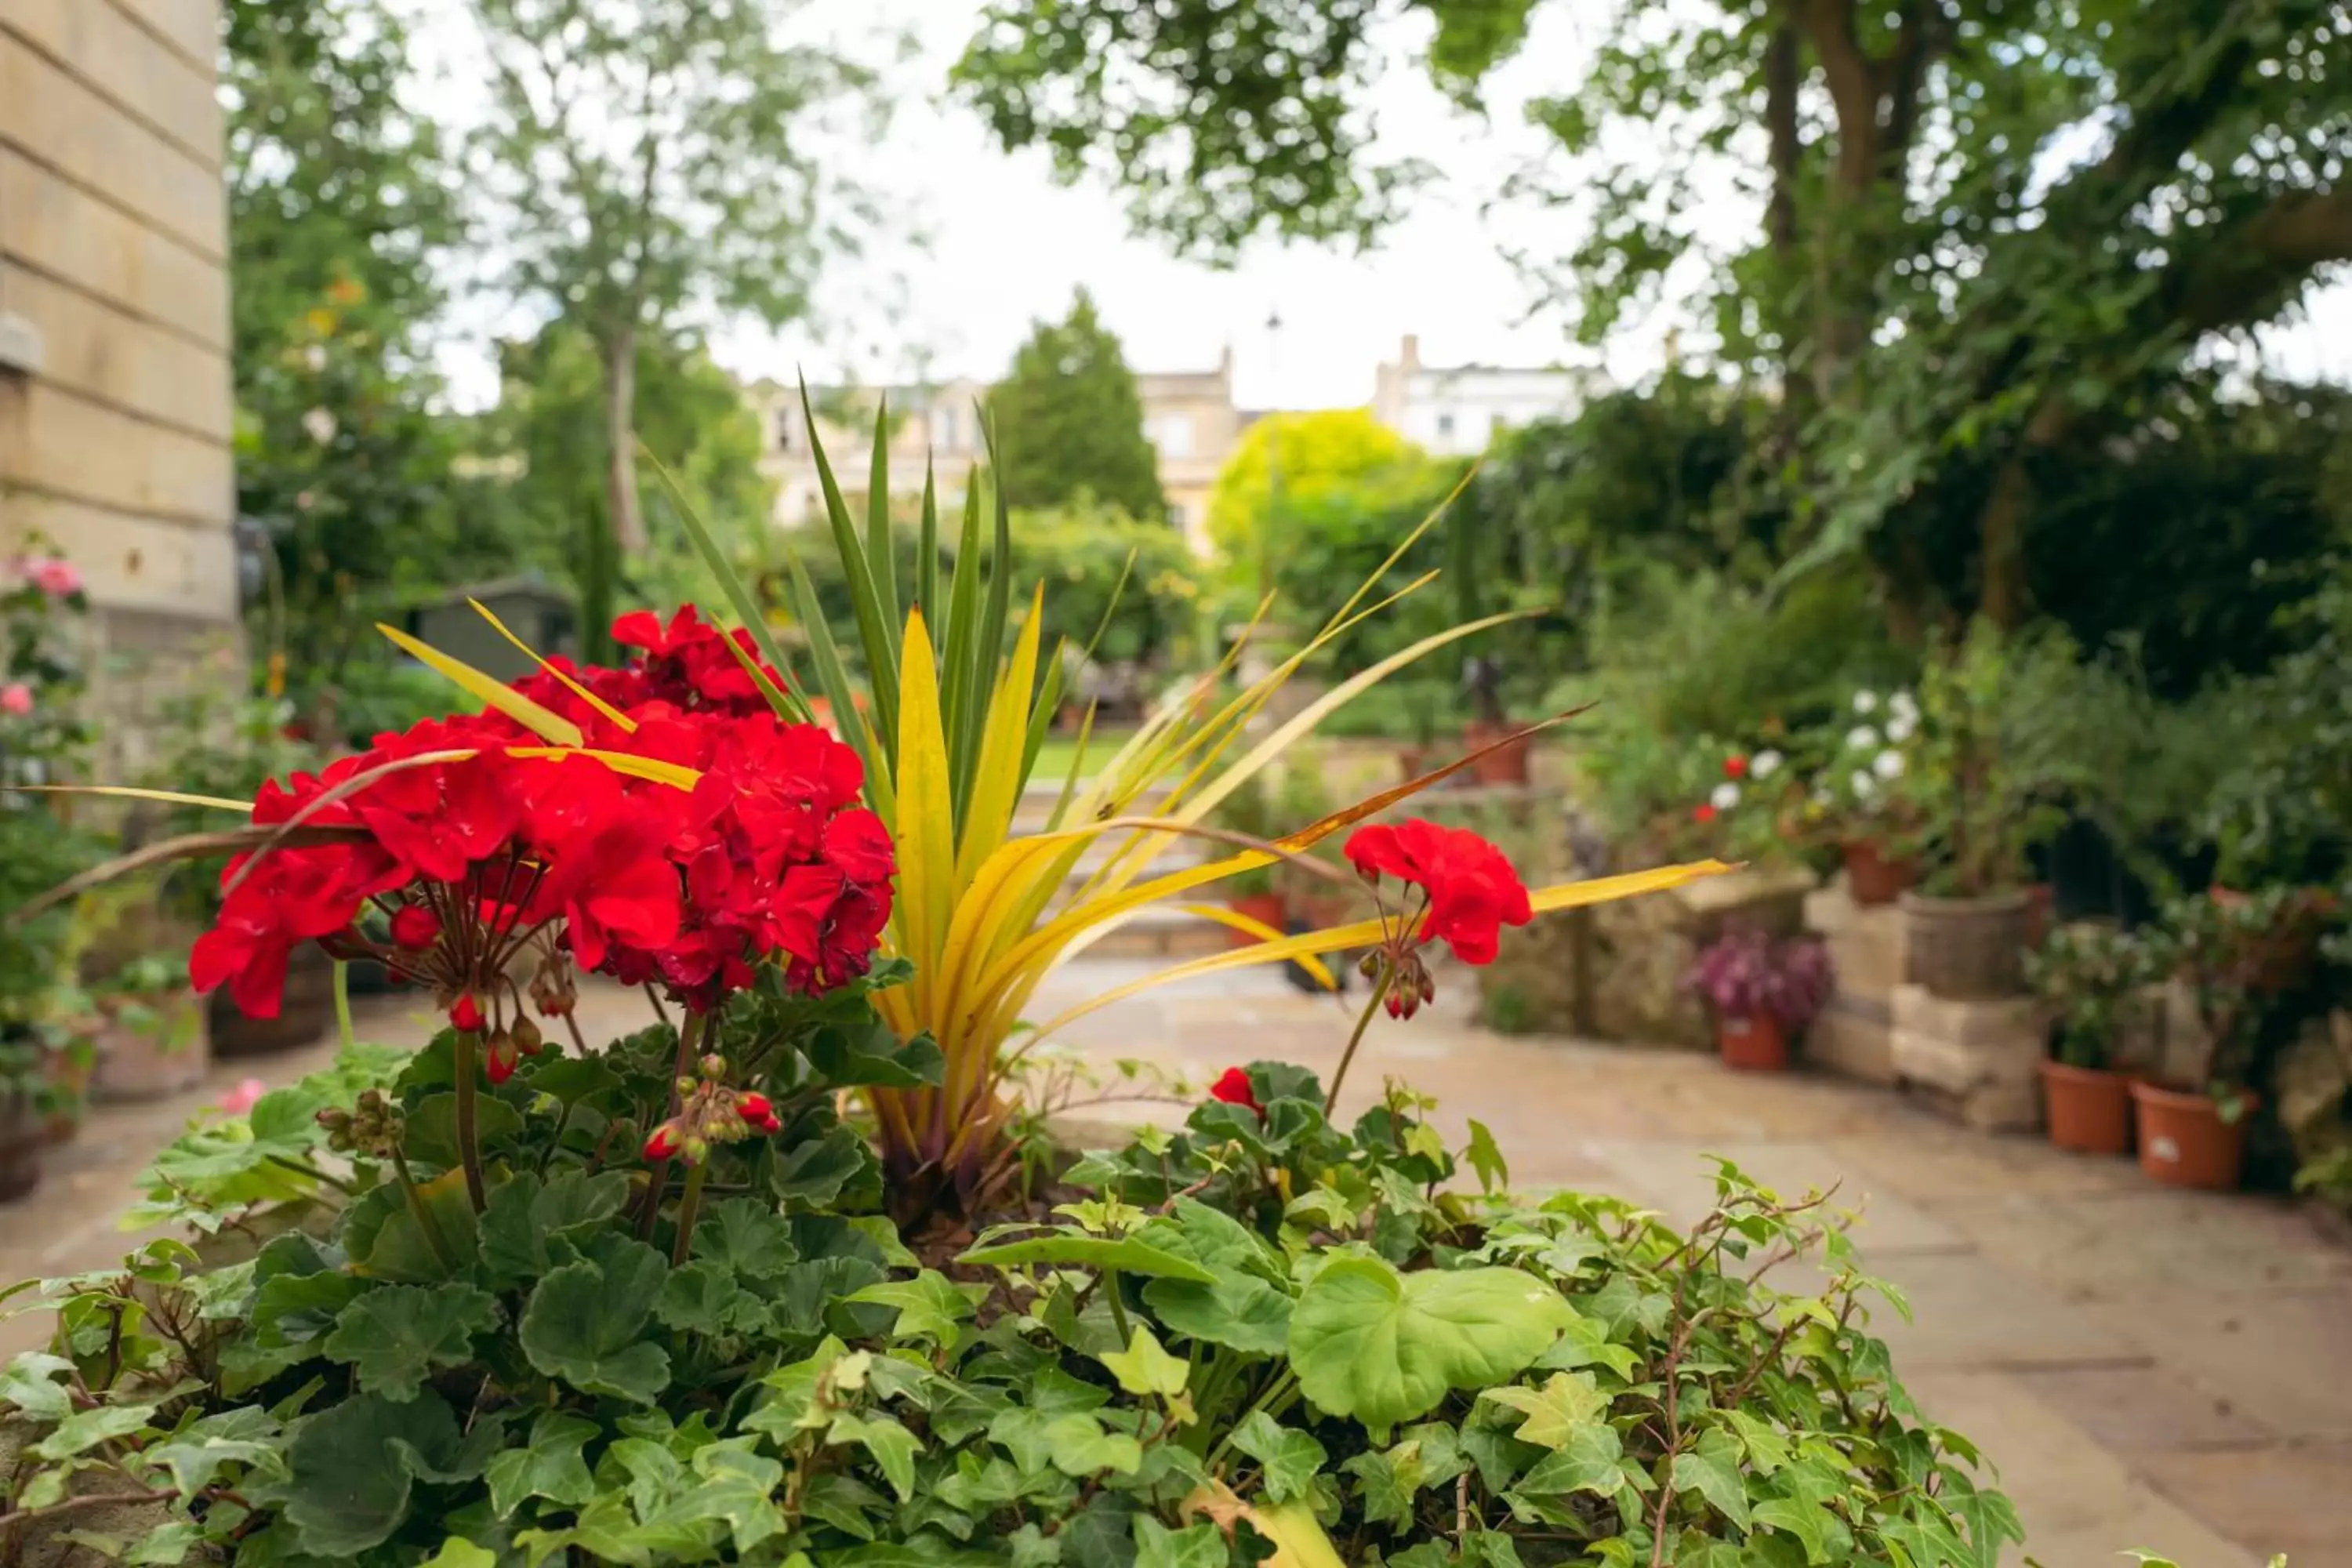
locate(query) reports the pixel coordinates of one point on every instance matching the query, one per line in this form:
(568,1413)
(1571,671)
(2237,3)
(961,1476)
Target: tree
(649,164)
(1988,239)
(1290,464)
(1069,424)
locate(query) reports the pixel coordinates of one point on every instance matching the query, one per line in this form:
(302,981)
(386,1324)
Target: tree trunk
(620,352)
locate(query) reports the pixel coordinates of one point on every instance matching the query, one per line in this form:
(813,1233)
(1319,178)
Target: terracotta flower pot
(1507,763)
(1756,1044)
(2184,1142)
(1266,909)
(1413,762)
(1966,949)
(1871,877)
(2088,1111)
(69,1072)
(168,1054)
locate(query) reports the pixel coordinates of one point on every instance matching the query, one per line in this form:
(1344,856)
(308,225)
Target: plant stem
(343,1003)
(1117,1308)
(426,1221)
(689,1201)
(304,1168)
(470,1151)
(1379,990)
(690,1039)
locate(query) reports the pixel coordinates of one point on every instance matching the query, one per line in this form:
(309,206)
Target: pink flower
(16,698)
(56,578)
(240,1099)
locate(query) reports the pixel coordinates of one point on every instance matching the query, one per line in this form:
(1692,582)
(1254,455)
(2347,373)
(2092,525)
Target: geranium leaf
(1144,1368)
(874,1058)
(1712,1471)
(400,1250)
(1554,1413)
(814,1173)
(394,1337)
(431,1127)
(1125,1255)
(893,1447)
(351,1471)
(746,1237)
(584,1321)
(1288,1460)
(703,1299)
(1384,1347)
(1240,1312)
(551,1466)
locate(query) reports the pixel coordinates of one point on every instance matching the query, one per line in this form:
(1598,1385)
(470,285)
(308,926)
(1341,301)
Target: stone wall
(115,401)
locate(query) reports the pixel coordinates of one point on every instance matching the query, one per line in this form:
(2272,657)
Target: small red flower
(663,1144)
(1473,889)
(466,1015)
(1234,1089)
(1735,768)
(415,927)
(753,1107)
(1703,812)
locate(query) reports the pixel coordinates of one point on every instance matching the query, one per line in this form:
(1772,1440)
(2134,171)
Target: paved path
(2145,1368)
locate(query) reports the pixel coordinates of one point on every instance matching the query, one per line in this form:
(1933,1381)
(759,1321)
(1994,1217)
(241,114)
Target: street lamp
(1273,461)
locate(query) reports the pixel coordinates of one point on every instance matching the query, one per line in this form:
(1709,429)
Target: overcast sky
(1004,245)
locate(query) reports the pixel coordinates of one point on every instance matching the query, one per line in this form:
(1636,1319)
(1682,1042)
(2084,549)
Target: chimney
(1409,358)
(1226,360)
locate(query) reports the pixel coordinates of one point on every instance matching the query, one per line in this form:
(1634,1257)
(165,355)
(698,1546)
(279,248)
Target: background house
(1454,411)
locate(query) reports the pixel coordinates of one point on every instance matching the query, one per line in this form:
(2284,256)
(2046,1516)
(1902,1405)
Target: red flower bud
(1734,767)
(1703,812)
(754,1107)
(415,927)
(1234,1089)
(527,1037)
(467,1015)
(663,1144)
(770,1124)
(501,1059)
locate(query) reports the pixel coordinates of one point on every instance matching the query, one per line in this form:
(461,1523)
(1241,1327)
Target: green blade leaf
(927,560)
(879,561)
(958,716)
(989,648)
(1042,712)
(834,681)
(877,635)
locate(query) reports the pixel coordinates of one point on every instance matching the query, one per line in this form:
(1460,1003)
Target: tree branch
(1852,79)
(2249,272)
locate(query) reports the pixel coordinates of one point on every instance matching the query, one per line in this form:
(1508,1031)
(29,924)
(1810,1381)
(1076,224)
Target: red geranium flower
(1471,888)
(1234,1088)
(1703,812)
(1735,768)
(415,927)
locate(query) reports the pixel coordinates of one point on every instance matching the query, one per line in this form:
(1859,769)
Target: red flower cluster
(481,856)
(1471,889)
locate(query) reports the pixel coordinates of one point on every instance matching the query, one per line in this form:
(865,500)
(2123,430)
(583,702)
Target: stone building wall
(115,400)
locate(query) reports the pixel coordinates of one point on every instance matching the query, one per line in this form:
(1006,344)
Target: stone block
(1866,945)
(1852,1042)
(130,562)
(1977,1061)
(191,28)
(94,349)
(103,46)
(65,124)
(87,451)
(71,235)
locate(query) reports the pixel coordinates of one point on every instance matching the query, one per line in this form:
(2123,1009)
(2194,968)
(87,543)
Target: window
(1172,434)
(943,431)
(783,430)
(1445,426)
(1176,516)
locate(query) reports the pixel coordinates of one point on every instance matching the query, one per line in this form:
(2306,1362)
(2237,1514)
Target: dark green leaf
(1063,1249)
(584,1324)
(394,1337)
(551,1466)
(352,1467)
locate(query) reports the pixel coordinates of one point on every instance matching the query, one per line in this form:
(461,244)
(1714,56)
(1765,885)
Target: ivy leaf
(746,1237)
(732,1486)
(353,1466)
(1485,1157)
(584,1321)
(30,1385)
(893,1447)
(1587,1464)
(245,1435)
(1144,1368)
(1990,1519)
(85,1429)
(458,1552)
(1554,1413)
(1032,1547)
(1586,1343)
(1065,1249)
(1712,1471)
(844,1503)
(929,1307)
(1194,1546)
(1076,1443)
(1384,1347)
(1388,1482)
(1289,1459)
(550,1467)
(394,1337)
(1239,1311)
(1811,1524)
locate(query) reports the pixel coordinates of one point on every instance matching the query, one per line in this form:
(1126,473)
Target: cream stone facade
(1456,411)
(1188,416)
(115,396)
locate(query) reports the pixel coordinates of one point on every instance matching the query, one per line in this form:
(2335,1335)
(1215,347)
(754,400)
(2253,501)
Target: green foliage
(1328,467)
(2089,975)
(1251,809)
(1105,572)
(1070,423)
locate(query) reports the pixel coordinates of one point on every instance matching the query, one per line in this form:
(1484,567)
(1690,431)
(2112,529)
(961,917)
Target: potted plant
(1507,763)
(1252,894)
(1981,775)
(2088,973)
(2225,950)
(1762,993)
(1422,701)
(1875,822)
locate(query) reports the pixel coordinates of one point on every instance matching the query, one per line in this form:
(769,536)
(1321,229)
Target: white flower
(1824,795)
(315,357)
(1888,766)
(1865,787)
(1764,764)
(1725,796)
(1862,737)
(319,424)
(1902,702)
(1865,701)
(1900,725)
